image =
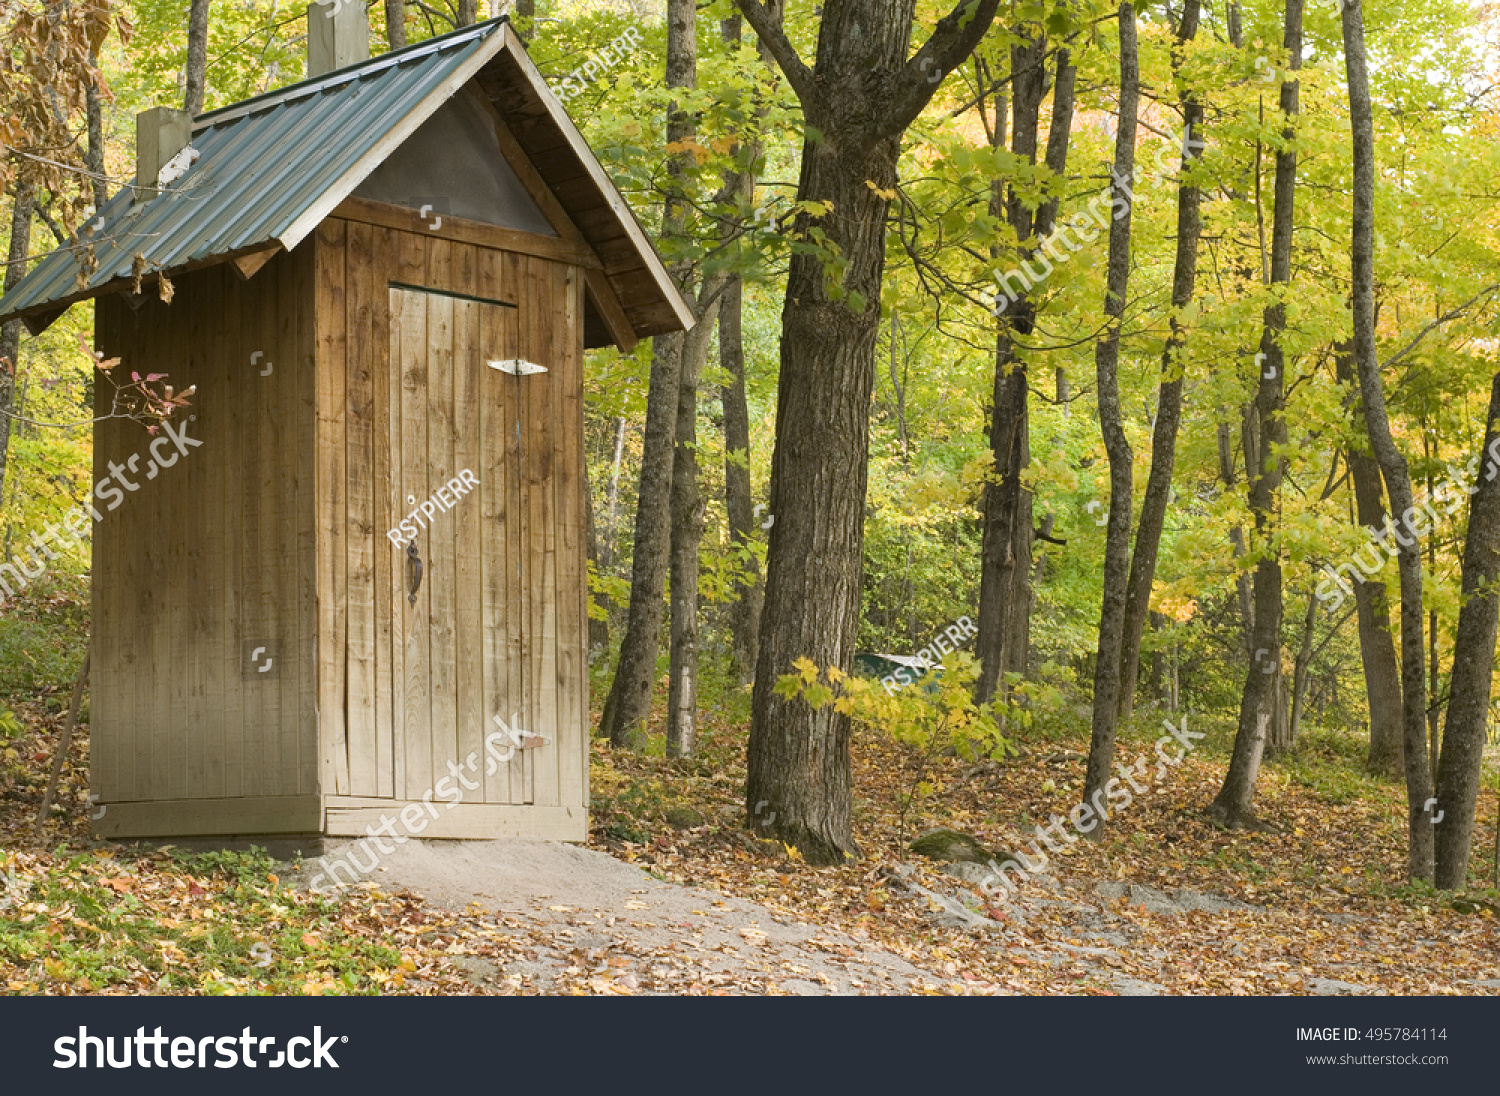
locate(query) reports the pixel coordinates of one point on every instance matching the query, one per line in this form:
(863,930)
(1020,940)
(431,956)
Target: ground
(676,894)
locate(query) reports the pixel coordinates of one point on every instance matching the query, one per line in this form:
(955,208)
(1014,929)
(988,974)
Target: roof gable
(272,168)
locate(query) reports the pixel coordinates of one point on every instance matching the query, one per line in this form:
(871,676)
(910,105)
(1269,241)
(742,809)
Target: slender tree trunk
(612,499)
(598,629)
(1419,861)
(1005,592)
(744,620)
(739,500)
(468,12)
(1377,647)
(1112,426)
(197,56)
(628,706)
(93,156)
(687,533)
(864,93)
(1169,394)
(1301,671)
(395,23)
(1473,666)
(23,196)
(1260,702)
(525,16)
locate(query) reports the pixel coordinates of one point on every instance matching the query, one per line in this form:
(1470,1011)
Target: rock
(1333,987)
(1127,986)
(950,845)
(683,818)
(951,913)
(1160,902)
(970,872)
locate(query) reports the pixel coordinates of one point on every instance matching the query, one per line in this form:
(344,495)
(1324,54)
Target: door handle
(416,570)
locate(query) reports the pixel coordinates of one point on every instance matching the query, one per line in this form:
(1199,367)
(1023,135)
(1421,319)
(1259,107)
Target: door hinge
(518,367)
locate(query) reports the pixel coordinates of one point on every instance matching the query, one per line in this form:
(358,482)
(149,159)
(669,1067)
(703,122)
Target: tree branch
(768,30)
(954,38)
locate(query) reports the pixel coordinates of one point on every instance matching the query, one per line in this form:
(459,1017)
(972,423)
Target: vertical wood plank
(417,724)
(360,524)
(387,556)
(439,583)
(495,342)
(572,740)
(305,650)
(464,519)
(331,475)
(517,572)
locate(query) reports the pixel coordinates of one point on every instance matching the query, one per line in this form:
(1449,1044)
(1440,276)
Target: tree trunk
(23,196)
(1260,701)
(1473,665)
(1111,425)
(1419,860)
(395,23)
(744,619)
(858,100)
(93,156)
(687,534)
(598,628)
(628,706)
(1377,647)
(197,56)
(1302,671)
(468,12)
(1169,394)
(1005,586)
(525,18)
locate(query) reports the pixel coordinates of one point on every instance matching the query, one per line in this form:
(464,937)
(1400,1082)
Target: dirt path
(573,918)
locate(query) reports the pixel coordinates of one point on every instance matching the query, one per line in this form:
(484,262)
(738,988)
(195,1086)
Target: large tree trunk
(23,196)
(197,56)
(1261,699)
(628,705)
(687,534)
(1169,395)
(1473,665)
(1377,647)
(468,12)
(1112,426)
(858,100)
(1419,860)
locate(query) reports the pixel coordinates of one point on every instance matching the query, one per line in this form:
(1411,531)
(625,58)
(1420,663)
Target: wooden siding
(405,403)
(209,559)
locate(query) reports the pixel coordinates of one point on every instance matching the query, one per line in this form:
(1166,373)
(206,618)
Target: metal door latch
(517,367)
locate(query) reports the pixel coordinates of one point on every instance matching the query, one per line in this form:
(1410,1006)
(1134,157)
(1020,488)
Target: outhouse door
(463,627)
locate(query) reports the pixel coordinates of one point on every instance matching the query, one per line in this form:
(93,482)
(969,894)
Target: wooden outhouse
(349,582)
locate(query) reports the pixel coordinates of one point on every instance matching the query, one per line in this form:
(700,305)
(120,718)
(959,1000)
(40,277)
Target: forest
(1091,413)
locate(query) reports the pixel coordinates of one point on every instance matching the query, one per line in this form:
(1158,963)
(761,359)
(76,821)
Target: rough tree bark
(628,706)
(1377,647)
(1169,394)
(468,12)
(858,100)
(197,56)
(1419,857)
(1473,666)
(1112,427)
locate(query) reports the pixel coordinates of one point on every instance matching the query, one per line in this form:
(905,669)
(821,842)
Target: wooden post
(65,741)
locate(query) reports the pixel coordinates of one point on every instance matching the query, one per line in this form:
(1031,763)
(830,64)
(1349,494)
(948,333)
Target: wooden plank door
(455,474)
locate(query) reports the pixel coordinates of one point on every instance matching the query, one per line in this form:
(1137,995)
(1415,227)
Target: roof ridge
(358,70)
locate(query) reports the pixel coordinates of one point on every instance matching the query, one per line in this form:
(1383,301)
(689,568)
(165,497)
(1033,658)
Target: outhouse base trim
(348,816)
(272,814)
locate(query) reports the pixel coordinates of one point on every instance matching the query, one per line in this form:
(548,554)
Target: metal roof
(266,167)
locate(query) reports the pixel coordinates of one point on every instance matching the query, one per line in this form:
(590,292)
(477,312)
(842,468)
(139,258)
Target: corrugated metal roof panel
(263,164)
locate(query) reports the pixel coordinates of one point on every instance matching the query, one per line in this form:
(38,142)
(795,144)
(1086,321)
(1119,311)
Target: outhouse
(348,581)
